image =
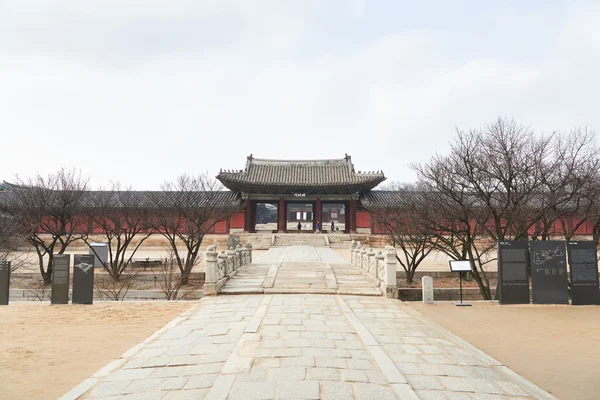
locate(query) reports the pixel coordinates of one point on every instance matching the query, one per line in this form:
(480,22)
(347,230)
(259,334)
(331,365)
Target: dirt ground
(555,347)
(46,350)
(444,283)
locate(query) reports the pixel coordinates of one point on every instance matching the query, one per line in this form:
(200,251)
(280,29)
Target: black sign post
(549,282)
(83,279)
(461,266)
(513,274)
(60,279)
(583,262)
(4,282)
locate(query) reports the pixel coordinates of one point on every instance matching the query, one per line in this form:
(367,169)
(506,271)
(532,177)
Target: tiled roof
(147,198)
(300,174)
(380,198)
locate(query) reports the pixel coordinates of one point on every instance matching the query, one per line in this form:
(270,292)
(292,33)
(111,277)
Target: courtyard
(289,344)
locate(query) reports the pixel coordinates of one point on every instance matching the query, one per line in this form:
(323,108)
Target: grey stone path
(301,269)
(304,347)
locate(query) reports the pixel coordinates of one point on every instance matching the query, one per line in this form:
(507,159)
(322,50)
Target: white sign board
(460,266)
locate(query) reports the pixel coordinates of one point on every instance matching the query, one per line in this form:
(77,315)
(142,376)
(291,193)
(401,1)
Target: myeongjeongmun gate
(300,196)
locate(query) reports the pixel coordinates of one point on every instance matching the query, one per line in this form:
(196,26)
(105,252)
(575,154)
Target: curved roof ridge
(298,161)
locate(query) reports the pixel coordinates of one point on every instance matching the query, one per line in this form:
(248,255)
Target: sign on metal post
(513,272)
(4,282)
(60,279)
(583,263)
(83,279)
(461,266)
(549,282)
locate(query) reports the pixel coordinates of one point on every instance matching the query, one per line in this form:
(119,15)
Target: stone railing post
(379,259)
(371,261)
(244,255)
(363,258)
(249,247)
(238,255)
(389,278)
(211,273)
(356,253)
(223,260)
(231,259)
(352,248)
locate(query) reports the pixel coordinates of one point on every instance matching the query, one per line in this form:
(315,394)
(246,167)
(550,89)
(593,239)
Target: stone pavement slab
(304,347)
(301,269)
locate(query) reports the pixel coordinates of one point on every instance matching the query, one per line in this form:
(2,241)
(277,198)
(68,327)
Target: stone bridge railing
(222,266)
(380,265)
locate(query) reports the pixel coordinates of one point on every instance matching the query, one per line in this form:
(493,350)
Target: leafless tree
(401,218)
(49,214)
(169,279)
(185,211)
(121,216)
(10,239)
(113,289)
(38,289)
(500,182)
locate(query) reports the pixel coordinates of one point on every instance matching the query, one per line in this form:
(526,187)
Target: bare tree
(169,279)
(503,181)
(401,218)
(49,214)
(10,239)
(113,289)
(186,210)
(121,216)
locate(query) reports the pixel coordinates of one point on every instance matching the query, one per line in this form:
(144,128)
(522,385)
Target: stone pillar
(356,253)
(238,256)
(363,262)
(210,285)
(249,247)
(352,248)
(389,278)
(244,255)
(427,286)
(379,259)
(222,261)
(231,259)
(371,261)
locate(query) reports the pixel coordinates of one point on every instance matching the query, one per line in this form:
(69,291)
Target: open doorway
(299,217)
(266,217)
(334,217)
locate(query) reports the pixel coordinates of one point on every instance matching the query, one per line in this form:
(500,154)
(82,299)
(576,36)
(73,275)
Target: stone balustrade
(222,266)
(381,265)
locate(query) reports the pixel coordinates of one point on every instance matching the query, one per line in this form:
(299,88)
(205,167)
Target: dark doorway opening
(299,217)
(266,217)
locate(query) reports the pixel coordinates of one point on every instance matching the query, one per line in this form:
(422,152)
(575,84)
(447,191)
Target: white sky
(142,91)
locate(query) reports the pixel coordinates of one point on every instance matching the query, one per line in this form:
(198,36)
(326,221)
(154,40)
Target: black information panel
(513,261)
(549,282)
(584,272)
(83,279)
(4,282)
(60,279)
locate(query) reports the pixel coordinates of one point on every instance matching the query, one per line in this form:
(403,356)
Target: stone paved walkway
(304,347)
(301,269)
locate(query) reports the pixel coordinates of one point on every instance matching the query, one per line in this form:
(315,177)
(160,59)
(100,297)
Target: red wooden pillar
(352,216)
(319,209)
(247,216)
(281,216)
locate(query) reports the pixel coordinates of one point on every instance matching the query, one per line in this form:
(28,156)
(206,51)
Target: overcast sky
(142,91)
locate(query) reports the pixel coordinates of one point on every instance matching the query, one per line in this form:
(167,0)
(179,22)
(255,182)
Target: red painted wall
(237,221)
(221,227)
(363,219)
